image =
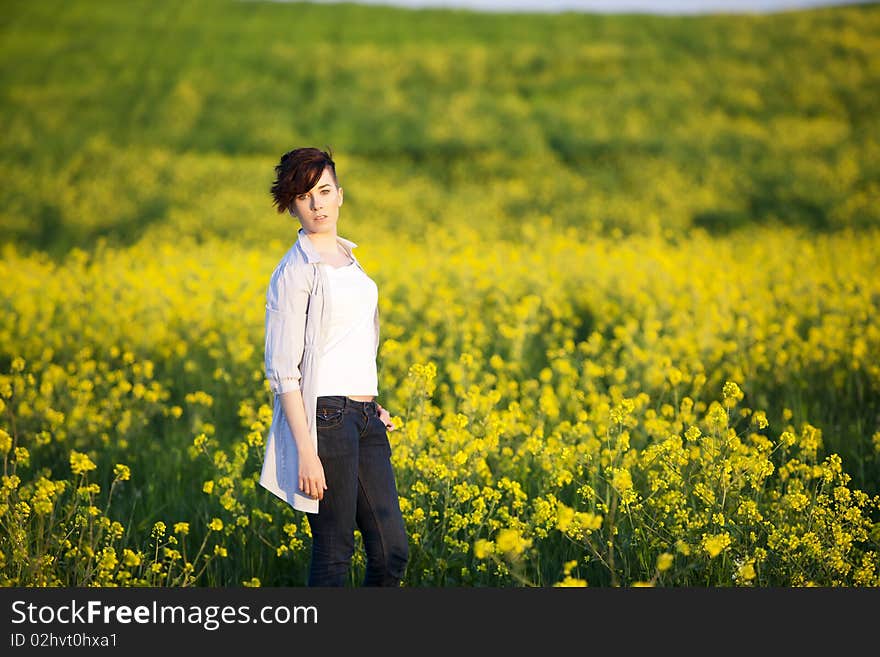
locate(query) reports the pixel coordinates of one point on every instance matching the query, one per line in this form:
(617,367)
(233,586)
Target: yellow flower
(483,548)
(564,516)
(5,442)
(621,480)
(108,559)
(181,528)
(620,413)
(130,558)
(715,544)
(761,418)
(199,397)
(80,463)
(731,393)
(172,554)
(588,521)
(23,456)
(511,542)
(664,561)
(88,490)
(569,581)
(717,417)
(122,472)
(10,482)
(215,525)
(746,571)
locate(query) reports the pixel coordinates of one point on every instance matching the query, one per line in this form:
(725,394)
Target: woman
(327,452)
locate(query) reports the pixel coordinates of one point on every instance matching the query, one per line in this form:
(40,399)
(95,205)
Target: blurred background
(125,119)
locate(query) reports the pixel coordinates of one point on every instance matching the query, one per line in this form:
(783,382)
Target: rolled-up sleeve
(287,301)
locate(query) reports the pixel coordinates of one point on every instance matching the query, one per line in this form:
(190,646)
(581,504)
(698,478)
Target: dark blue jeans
(361,492)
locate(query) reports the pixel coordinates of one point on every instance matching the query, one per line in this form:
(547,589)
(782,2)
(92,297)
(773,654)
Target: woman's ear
(340,195)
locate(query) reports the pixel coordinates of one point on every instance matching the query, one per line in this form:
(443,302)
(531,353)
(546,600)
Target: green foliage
(121,118)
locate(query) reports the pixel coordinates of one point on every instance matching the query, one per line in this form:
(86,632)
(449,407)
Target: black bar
(417,621)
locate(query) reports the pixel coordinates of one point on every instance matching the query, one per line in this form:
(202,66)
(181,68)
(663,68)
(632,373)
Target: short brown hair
(299,171)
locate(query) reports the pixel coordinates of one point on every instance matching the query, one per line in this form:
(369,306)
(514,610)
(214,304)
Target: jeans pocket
(380,435)
(329,418)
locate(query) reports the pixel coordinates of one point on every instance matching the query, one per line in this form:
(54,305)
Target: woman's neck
(324,242)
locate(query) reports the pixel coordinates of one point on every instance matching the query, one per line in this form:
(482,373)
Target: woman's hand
(311,476)
(385,416)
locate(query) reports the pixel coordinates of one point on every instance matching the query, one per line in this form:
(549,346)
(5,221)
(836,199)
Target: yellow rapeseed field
(574,410)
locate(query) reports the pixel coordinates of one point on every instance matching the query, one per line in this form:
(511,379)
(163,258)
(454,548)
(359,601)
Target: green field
(628,272)
(121,119)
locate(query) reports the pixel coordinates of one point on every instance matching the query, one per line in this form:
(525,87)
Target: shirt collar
(311,252)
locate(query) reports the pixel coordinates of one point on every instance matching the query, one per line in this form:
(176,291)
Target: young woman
(327,452)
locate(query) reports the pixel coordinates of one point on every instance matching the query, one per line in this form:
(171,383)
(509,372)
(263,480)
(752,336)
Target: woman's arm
(287,303)
(311,472)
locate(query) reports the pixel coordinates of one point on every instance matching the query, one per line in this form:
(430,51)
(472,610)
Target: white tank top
(348,362)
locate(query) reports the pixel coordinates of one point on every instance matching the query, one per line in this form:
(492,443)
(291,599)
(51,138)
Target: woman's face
(318,208)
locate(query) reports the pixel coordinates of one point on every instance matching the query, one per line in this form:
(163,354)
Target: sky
(616,6)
